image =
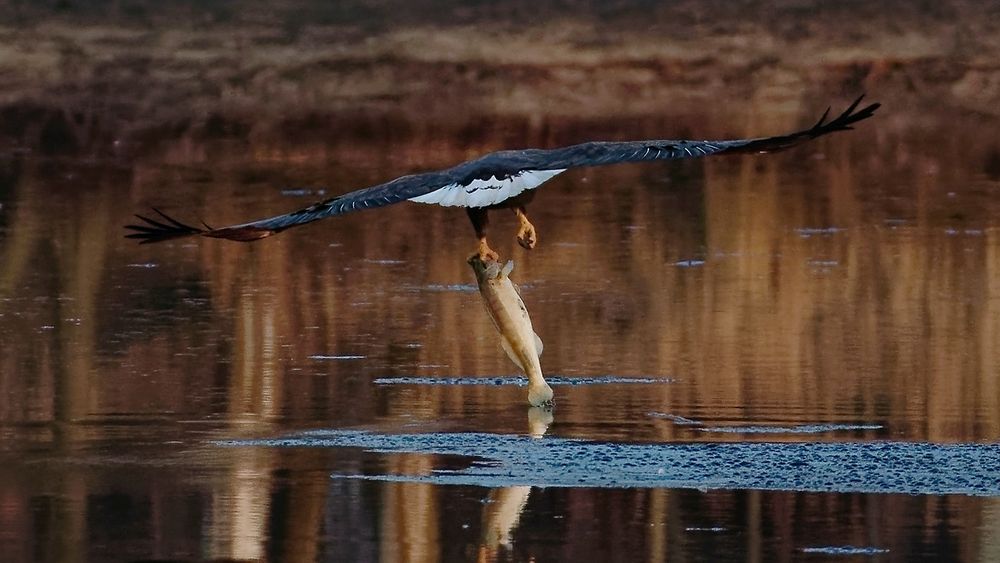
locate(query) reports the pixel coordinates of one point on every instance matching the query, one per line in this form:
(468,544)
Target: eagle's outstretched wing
(495,177)
(165,227)
(597,153)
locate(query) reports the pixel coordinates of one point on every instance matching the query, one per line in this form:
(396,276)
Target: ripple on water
(865,467)
(844,550)
(521,381)
(765,429)
(336,357)
(457,287)
(676,419)
(806,232)
(799,429)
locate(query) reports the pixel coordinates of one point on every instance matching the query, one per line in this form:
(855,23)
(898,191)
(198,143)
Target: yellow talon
(487,254)
(526,235)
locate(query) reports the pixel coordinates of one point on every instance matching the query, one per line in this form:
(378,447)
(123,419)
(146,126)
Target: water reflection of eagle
(500,179)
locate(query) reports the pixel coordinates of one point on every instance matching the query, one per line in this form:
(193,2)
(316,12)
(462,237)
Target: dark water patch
(868,467)
(521,381)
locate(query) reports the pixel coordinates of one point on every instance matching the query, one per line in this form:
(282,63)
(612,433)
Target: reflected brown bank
(851,280)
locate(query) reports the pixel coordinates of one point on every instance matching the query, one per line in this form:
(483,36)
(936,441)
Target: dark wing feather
(600,153)
(153,227)
(502,164)
(400,189)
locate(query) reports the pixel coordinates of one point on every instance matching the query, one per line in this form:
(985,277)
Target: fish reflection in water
(510,316)
(504,505)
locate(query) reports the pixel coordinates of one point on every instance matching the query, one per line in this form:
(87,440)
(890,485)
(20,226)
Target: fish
(510,317)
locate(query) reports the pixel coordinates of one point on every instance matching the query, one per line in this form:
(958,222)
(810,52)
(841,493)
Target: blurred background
(850,280)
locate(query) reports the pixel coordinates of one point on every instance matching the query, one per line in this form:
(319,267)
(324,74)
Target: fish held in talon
(510,317)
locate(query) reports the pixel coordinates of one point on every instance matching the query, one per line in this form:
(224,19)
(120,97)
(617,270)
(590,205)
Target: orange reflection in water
(851,280)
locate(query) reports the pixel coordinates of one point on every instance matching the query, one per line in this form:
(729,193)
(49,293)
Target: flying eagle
(503,179)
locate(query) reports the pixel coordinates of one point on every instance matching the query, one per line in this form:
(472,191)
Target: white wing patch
(483,193)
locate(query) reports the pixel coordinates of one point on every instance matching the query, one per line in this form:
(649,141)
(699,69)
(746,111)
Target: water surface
(842,296)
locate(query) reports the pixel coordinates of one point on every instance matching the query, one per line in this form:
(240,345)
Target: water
(763,358)
(815,318)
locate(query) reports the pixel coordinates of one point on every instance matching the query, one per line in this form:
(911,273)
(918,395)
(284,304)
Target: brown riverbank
(113,73)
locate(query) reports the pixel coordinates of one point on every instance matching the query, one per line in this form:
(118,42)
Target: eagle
(502,179)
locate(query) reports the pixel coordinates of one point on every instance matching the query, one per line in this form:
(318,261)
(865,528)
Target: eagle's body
(498,179)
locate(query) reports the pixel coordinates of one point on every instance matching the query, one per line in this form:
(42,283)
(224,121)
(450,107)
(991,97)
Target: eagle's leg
(526,235)
(480,220)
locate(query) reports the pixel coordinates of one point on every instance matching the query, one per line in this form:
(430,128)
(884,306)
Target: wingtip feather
(155,230)
(822,118)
